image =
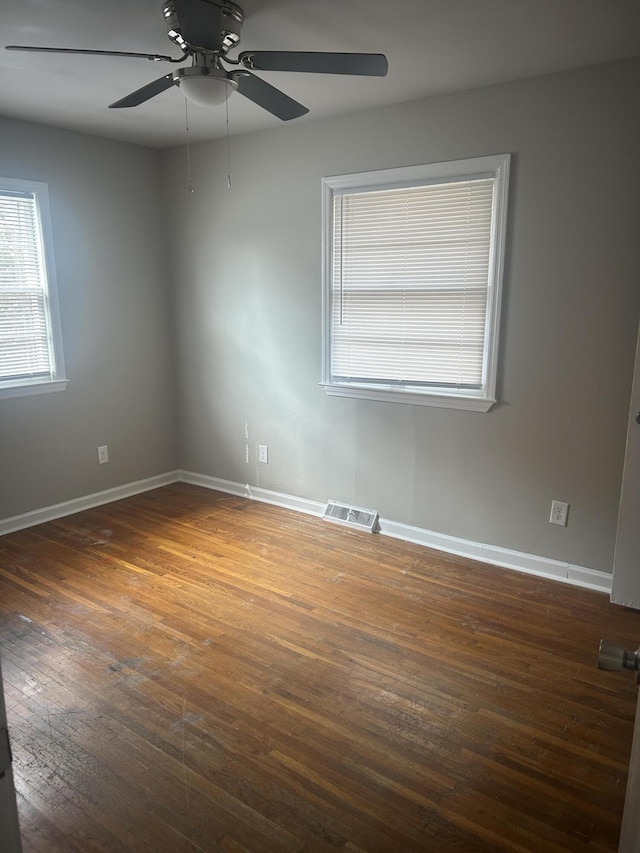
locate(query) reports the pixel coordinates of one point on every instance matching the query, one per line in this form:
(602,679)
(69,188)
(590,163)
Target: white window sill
(470,402)
(25,389)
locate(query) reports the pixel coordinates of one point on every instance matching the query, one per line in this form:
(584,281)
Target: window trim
(57,381)
(494,166)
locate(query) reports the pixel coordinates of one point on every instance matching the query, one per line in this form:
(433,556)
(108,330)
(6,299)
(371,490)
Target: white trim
(58,378)
(28,388)
(207,482)
(504,557)
(253,493)
(400,176)
(496,273)
(416,398)
(495,166)
(590,578)
(50,513)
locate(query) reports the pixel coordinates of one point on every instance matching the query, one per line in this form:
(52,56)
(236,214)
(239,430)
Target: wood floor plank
(191,671)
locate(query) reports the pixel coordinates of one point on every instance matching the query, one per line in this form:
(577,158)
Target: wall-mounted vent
(351,516)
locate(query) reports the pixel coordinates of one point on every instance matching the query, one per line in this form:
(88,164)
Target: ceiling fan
(206,31)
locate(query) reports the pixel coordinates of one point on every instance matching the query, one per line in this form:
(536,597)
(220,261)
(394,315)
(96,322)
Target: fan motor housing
(214,28)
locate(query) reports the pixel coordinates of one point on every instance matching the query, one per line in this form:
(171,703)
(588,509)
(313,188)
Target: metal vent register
(351,516)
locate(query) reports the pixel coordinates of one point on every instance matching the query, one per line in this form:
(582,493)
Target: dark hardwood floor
(190,671)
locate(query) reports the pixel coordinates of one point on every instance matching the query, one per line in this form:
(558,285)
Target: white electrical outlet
(559,511)
(103,454)
(263,454)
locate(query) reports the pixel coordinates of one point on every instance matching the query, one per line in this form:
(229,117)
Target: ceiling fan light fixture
(205,31)
(205,87)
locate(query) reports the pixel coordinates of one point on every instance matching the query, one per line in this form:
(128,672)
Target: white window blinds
(26,350)
(410,278)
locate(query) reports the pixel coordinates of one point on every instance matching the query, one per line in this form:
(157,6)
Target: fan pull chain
(190,187)
(226,103)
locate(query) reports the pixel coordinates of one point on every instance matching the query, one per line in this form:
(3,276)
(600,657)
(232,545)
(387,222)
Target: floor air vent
(351,516)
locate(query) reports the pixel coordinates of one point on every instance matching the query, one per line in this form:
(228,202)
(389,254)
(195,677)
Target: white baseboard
(517,560)
(505,557)
(50,513)
(254,493)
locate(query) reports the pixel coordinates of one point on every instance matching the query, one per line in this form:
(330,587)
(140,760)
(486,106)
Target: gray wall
(246,270)
(231,278)
(111,271)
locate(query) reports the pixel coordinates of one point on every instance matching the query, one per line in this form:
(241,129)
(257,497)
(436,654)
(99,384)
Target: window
(31,358)
(413,261)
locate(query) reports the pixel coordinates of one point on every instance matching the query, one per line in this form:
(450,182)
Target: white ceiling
(433,46)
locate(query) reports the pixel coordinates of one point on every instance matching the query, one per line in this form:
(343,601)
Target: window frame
(57,379)
(495,167)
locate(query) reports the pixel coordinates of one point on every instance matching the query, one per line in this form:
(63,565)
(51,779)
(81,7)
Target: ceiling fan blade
(156,57)
(366,64)
(145,93)
(200,22)
(267,96)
